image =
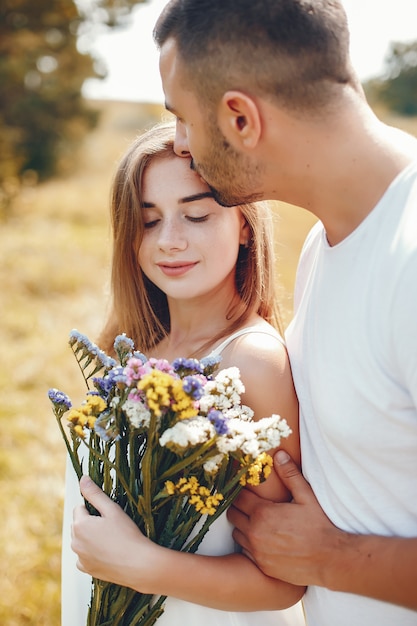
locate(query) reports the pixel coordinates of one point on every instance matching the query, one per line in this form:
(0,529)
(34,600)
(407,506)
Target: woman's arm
(112,548)
(266,373)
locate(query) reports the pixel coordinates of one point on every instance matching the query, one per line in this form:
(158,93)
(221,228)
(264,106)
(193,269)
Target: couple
(268,106)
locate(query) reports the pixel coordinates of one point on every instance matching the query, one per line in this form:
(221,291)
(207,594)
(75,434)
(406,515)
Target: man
(269,107)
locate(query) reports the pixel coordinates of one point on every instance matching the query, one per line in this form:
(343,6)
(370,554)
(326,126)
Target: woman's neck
(194,333)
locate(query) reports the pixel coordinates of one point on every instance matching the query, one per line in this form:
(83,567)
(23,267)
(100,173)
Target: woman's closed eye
(194,219)
(200,218)
(151,223)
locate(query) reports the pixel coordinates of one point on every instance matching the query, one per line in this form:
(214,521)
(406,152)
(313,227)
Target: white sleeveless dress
(76,586)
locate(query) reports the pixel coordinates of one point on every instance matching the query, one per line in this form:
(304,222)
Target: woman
(191,278)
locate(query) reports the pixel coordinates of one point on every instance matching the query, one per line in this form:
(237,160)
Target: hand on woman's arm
(298,543)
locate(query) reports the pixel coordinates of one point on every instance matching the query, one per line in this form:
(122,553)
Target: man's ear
(239,120)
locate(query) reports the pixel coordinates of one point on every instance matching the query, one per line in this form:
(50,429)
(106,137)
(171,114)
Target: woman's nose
(171,237)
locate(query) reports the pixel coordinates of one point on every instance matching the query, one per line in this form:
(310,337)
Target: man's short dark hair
(294,52)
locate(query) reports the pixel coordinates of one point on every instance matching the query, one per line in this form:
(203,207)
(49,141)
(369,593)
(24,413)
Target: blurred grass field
(54,270)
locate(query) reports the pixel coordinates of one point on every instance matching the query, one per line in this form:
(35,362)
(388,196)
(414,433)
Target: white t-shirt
(353,351)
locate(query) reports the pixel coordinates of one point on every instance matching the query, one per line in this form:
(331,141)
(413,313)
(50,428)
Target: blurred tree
(42,112)
(397,89)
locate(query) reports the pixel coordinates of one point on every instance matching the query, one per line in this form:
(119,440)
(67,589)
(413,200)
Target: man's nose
(181,148)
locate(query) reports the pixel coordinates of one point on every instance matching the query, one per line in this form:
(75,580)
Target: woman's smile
(177,268)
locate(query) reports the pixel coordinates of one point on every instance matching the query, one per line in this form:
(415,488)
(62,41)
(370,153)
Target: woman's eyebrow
(193,198)
(196,196)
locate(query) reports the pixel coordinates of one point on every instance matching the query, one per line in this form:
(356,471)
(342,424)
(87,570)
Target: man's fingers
(292,478)
(246,502)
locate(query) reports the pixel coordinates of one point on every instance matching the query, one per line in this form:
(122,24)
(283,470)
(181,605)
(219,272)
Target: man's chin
(224,200)
(228,200)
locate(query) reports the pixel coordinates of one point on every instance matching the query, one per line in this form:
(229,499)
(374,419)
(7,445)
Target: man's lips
(176,269)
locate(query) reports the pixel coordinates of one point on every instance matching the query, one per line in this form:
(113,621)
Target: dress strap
(245,331)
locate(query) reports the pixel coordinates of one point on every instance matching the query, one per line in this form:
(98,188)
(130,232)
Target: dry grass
(53,275)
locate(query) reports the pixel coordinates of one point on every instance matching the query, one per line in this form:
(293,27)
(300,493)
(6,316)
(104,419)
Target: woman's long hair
(138,307)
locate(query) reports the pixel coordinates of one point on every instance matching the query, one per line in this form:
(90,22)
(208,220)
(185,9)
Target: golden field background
(54,269)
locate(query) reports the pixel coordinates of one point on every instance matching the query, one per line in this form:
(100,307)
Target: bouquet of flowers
(171,443)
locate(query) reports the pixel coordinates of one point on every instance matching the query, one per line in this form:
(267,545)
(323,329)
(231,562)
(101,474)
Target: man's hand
(289,541)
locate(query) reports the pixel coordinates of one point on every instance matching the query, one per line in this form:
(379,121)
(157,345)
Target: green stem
(147,479)
(189,460)
(73,456)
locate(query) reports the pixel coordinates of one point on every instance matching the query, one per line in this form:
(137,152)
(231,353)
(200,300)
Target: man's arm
(298,543)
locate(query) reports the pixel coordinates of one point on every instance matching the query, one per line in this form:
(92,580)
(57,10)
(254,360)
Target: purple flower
(219,421)
(210,364)
(186,367)
(140,356)
(123,343)
(193,387)
(103,385)
(76,337)
(123,346)
(81,343)
(59,398)
(116,375)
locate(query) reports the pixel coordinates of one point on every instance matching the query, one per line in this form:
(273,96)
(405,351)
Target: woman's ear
(239,120)
(244,233)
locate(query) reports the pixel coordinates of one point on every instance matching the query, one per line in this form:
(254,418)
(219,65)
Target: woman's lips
(176,269)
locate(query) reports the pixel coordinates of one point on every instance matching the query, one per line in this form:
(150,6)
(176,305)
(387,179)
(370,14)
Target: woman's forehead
(175,167)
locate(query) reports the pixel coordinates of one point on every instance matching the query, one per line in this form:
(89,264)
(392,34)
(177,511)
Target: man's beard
(224,164)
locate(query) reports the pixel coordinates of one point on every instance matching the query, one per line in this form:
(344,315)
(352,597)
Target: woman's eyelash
(150,224)
(202,218)
(190,218)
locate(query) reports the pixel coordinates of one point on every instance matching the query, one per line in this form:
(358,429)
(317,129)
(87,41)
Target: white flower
(212,465)
(139,416)
(243,412)
(270,430)
(253,438)
(230,377)
(188,432)
(223,392)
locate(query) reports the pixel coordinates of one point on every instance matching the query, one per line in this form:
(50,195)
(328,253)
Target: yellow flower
(170,487)
(258,471)
(200,497)
(183,404)
(75,416)
(91,421)
(157,387)
(96,404)
(79,431)
(163,391)
(85,416)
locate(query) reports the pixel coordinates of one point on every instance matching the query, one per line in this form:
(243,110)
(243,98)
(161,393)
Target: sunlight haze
(131,57)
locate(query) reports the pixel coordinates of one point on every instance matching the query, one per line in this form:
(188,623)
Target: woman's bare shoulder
(260,351)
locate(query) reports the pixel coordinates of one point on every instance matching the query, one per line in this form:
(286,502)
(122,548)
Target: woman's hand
(110,546)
